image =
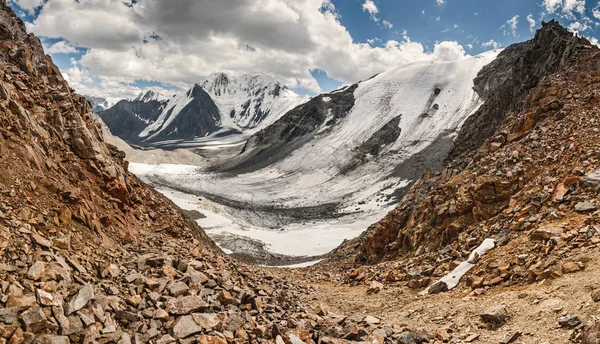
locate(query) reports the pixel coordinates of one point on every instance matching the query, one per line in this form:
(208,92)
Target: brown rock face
(88,253)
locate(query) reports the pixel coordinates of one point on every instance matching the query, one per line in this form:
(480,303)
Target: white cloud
(510,27)
(28,5)
(440,2)
(491,44)
(571,6)
(179,43)
(596,12)
(531,22)
(578,27)
(387,24)
(552,5)
(438,18)
(61,47)
(469,46)
(369,6)
(373,40)
(448,51)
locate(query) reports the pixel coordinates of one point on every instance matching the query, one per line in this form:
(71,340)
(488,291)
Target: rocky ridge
(88,253)
(532,186)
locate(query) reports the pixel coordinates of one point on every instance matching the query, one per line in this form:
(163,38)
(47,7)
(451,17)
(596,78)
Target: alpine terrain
(220,105)
(440,201)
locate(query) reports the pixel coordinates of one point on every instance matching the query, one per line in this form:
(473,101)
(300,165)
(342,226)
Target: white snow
(454,277)
(255,91)
(308,239)
(301,265)
(167,116)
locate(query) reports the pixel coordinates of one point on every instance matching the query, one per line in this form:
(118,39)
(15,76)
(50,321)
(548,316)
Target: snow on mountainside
(218,105)
(339,162)
(98,103)
(250,101)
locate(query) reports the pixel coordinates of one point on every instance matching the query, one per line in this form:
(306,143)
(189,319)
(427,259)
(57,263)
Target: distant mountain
(220,103)
(98,104)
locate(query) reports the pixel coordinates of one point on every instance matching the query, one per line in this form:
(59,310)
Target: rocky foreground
(88,253)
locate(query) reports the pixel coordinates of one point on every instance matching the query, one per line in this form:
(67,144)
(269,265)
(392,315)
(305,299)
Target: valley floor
(534,309)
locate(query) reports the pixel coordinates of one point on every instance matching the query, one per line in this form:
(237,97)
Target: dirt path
(534,309)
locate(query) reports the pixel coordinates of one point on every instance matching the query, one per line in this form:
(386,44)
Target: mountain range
(219,105)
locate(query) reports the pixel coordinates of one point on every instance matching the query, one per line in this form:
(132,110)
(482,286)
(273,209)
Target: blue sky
(339,41)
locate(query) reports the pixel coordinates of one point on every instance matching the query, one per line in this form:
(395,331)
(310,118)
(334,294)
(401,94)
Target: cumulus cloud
(179,42)
(440,2)
(61,47)
(510,27)
(387,24)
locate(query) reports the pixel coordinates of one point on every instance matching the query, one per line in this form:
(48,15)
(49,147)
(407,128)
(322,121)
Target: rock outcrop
(88,253)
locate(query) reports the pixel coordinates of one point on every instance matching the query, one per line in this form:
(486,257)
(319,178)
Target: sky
(119,48)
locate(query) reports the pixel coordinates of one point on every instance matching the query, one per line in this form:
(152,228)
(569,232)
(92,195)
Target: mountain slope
(352,141)
(88,253)
(506,83)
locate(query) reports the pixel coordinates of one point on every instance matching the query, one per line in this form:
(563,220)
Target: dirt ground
(534,309)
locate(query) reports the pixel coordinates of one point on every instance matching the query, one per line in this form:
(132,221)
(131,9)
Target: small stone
(205,339)
(48,339)
(495,314)
(185,326)
(206,320)
(226,298)
(511,338)
(41,241)
(471,338)
(584,207)
(375,287)
(178,289)
(134,300)
(166,339)
(371,320)
(85,294)
(87,316)
(596,295)
(169,271)
(36,270)
(47,299)
(570,267)
(438,287)
(442,334)
(569,321)
(186,305)
(161,314)
(34,320)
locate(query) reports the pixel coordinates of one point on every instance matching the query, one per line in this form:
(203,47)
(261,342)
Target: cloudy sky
(117,48)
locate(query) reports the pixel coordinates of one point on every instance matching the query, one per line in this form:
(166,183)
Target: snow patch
(454,277)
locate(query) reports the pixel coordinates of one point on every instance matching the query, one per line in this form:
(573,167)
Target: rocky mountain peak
(148,96)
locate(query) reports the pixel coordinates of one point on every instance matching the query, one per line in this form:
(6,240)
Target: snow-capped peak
(148,97)
(250,101)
